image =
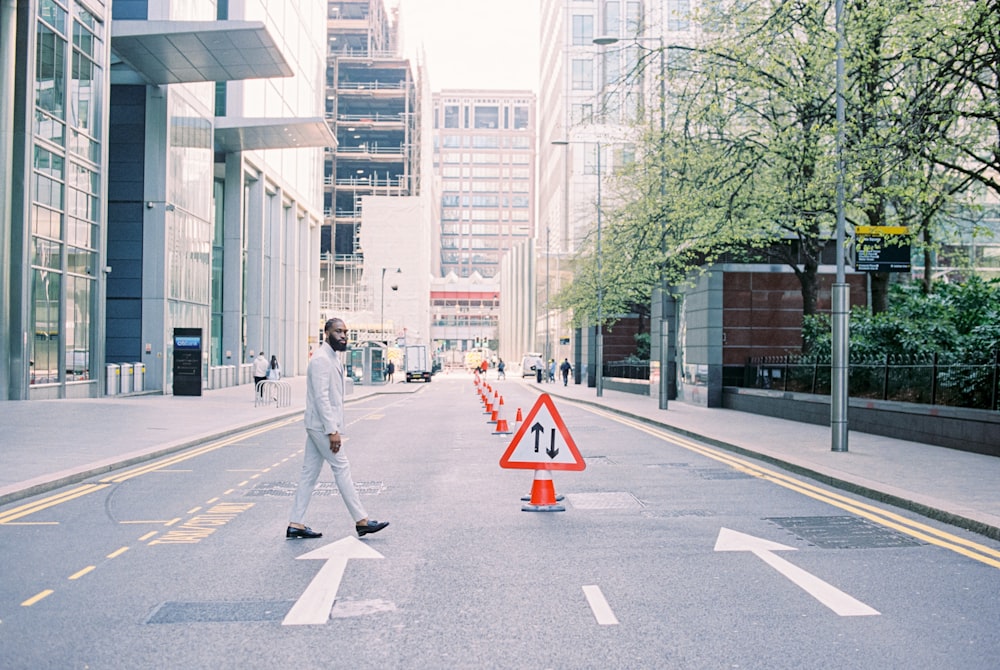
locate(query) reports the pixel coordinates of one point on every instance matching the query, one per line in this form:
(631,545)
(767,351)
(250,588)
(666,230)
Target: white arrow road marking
(599,606)
(315,603)
(835,599)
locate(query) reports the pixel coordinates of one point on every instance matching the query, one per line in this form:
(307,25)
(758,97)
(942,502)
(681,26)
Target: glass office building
(161,169)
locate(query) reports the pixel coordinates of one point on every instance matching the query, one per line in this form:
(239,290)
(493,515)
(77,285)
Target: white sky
(490,44)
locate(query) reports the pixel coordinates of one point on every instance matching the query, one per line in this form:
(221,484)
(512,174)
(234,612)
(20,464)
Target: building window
(451,116)
(582,113)
(487,116)
(583,74)
(612,18)
(678,14)
(521,118)
(583,30)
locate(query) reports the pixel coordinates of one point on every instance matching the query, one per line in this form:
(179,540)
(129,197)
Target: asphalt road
(669,554)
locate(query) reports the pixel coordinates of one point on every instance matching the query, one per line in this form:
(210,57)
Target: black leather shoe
(371,527)
(301,533)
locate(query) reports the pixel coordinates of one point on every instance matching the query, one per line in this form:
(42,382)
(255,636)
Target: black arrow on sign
(552,451)
(537,429)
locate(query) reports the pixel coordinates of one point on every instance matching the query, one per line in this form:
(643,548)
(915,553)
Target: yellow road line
(85,489)
(35,598)
(886,518)
(51,501)
(81,573)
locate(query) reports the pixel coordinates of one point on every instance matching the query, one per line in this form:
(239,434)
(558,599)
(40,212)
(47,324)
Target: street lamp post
(381,324)
(840,294)
(664,389)
(599,375)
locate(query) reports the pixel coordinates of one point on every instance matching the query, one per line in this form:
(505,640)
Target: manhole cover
(209,612)
(608,500)
(843,532)
(287,489)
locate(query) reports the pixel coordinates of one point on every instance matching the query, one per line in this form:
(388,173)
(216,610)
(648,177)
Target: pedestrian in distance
(326,387)
(552,370)
(501,369)
(539,368)
(273,369)
(259,372)
(389,371)
(565,368)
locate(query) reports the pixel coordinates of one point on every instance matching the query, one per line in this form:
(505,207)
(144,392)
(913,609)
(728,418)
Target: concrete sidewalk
(45,444)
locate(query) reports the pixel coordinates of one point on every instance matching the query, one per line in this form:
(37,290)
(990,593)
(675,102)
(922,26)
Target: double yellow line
(886,518)
(84,489)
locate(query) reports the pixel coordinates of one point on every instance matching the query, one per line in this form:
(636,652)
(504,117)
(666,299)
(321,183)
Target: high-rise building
(484,169)
(164,172)
(594,99)
(373,106)
(484,161)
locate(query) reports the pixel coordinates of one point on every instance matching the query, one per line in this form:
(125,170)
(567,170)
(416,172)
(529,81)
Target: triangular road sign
(542,442)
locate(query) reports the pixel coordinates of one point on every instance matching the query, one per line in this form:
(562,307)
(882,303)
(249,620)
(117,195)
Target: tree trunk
(927,261)
(809,285)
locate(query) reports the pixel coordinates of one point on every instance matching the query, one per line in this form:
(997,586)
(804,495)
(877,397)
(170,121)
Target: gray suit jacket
(325,390)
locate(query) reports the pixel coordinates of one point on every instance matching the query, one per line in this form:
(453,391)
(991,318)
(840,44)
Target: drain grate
(287,489)
(209,612)
(606,500)
(721,473)
(844,532)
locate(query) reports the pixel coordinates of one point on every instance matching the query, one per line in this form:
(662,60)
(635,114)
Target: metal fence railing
(626,369)
(938,379)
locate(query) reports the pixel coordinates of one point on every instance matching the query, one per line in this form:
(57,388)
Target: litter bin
(126,378)
(112,379)
(138,376)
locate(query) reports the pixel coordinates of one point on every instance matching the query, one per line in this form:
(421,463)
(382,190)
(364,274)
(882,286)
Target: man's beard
(336,345)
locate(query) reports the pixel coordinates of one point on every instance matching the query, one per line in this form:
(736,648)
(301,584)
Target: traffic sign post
(542,443)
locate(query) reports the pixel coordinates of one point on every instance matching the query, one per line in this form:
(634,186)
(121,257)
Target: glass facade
(66,187)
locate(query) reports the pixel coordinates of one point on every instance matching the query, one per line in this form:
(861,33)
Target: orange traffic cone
(502,428)
(494,416)
(543,494)
(518,418)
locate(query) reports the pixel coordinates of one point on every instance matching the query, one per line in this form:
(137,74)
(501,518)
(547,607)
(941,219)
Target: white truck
(416,363)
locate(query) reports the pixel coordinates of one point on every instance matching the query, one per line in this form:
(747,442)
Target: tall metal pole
(664,341)
(600,287)
(840,294)
(548,351)
(381,319)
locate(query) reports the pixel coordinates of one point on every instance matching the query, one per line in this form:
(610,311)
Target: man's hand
(334,442)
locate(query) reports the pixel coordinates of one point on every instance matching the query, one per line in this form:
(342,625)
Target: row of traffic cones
(493,407)
(543,496)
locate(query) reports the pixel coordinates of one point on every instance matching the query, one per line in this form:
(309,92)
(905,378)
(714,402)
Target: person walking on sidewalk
(324,423)
(565,368)
(259,372)
(273,369)
(390,370)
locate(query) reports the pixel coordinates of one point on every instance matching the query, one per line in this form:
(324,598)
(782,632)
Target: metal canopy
(240,134)
(177,52)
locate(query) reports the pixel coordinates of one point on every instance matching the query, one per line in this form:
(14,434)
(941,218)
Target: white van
(528,361)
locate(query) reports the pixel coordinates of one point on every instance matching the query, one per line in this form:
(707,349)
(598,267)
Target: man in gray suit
(324,421)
